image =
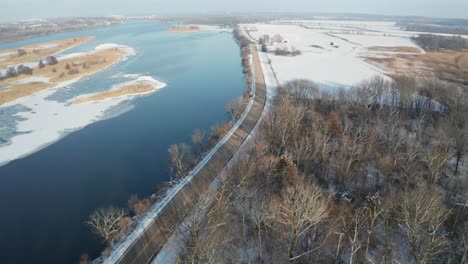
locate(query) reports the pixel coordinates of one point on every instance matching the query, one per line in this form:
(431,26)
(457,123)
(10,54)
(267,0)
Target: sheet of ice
(134,75)
(49,121)
(124,75)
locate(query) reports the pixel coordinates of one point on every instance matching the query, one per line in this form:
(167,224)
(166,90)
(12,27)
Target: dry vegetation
(446,58)
(395,49)
(22,90)
(64,70)
(446,65)
(39,51)
(133,89)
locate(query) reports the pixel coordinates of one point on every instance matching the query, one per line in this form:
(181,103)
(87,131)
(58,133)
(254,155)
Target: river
(46,197)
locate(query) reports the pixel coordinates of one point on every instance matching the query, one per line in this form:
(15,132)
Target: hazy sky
(27,9)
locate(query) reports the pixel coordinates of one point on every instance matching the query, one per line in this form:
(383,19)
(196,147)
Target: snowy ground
(331,50)
(214,28)
(34,122)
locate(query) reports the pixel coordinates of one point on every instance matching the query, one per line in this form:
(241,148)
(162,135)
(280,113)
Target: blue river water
(46,197)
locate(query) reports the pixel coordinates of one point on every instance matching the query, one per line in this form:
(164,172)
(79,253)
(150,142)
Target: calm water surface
(46,197)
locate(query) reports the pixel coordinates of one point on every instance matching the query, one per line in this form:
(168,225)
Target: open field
(39,51)
(138,87)
(70,67)
(343,53)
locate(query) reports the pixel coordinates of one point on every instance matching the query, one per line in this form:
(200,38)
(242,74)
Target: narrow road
(150,236)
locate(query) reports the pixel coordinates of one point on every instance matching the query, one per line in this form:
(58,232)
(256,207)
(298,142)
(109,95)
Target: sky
(12,10)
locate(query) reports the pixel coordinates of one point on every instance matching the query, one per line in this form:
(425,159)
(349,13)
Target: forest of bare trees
(431,42)
(370,174)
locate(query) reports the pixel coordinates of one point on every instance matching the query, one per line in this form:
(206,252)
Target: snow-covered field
(41,121)
(332,51)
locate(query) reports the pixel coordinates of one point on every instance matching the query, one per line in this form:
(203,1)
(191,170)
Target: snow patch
(46,46)
(129,50)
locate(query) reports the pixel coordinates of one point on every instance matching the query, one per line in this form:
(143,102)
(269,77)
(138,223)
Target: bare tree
(85,259)
(422,216)
(21,52)
(260,214)
(373,210)
(106,222)
(235,108)
(179,157)
(436,160)
(352,227)
(139,206)
(41,64)
(197,139)
(301,208)
(202,230)
(51,60)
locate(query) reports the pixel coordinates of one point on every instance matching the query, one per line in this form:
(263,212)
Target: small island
(184,28)
(39,50)
(140,86)
(53,72)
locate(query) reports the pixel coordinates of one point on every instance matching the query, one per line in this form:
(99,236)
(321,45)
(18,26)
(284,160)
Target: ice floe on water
(126,75)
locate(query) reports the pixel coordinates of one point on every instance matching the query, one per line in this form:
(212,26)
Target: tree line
(431,42)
